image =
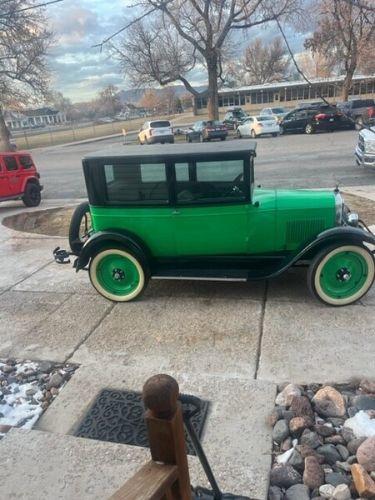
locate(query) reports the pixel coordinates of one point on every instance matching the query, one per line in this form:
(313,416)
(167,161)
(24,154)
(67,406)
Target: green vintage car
(193,212)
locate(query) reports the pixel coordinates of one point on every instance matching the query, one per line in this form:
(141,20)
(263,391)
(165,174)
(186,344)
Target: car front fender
(110,238)
(342,235)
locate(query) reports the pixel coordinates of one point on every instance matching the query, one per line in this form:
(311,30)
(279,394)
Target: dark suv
(311,119)
(234,117)
(206,130)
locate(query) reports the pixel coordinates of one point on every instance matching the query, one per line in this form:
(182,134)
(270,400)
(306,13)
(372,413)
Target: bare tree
(108,102)
(344,32)
(266,63)
(24,41)
(150,100)
(315,64)
(198,30)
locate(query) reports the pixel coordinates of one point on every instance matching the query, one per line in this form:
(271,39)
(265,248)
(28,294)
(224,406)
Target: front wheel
(118,275)
(31,196)
(341,275)
(309,129)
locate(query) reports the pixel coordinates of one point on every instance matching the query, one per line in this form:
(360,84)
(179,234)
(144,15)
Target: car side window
(207,182)
(136,183)
(10,163)
(26,162)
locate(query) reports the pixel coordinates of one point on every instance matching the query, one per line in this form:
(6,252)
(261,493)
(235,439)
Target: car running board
(202,275)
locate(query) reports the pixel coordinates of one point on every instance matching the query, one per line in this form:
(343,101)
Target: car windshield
(160,124)
(278,110)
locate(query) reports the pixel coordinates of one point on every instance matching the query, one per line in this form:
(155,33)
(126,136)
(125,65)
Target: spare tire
(78,234)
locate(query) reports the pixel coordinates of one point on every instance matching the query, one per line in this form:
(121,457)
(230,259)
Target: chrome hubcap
(118,274)
(344,274)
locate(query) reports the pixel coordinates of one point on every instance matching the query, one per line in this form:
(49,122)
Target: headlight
(339,205)
(352,219)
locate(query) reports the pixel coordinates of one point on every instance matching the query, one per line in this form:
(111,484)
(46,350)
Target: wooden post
(166,429)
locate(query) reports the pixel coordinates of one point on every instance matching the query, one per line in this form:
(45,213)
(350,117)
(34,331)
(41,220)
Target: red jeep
(19,178)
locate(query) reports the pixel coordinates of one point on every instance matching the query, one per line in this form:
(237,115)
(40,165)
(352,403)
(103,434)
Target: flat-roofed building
(289,94)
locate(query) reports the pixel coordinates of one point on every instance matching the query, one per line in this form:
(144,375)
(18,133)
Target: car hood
(287,199)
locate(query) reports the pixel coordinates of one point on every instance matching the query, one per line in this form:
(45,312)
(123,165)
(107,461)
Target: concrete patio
(226,342)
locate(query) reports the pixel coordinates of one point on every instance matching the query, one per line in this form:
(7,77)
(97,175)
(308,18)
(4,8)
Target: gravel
(320,434)
(27,388)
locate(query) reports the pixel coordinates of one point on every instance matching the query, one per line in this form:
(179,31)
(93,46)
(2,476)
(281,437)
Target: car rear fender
(342,235)
(103,239)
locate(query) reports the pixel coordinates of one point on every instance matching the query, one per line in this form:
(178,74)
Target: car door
(196,130)
(14,176)
(211,208)
(289,122)
(4,182)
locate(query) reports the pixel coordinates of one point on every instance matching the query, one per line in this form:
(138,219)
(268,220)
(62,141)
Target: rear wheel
(342,274)
(32,197)
(118,274)
(222,138)
(281,130)
(80,227)
(309,129)
(274,135)
(239,134)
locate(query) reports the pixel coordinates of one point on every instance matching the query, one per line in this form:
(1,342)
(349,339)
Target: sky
(80,70)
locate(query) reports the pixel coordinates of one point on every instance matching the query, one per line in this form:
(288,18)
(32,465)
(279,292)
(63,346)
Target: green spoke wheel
(341,275)
(117,274)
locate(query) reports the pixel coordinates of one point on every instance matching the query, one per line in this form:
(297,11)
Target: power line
(29,7)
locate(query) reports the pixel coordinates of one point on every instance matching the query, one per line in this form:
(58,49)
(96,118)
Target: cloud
(80,70)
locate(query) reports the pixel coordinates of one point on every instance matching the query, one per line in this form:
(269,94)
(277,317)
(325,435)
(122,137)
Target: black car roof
(246,147)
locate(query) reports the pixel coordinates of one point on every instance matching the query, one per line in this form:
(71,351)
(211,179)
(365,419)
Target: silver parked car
(277,113)
(365,150)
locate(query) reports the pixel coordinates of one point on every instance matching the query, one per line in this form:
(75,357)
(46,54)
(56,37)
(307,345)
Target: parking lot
(230,343)
(314,161)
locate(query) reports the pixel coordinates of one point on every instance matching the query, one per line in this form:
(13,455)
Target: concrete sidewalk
(230,343)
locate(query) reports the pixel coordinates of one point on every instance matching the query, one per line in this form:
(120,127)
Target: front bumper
(364,159)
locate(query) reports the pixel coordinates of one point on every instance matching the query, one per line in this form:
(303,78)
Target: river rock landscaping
(27,388)
(323,442)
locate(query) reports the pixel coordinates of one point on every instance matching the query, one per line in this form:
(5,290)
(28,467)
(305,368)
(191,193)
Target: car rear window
(160,124)
(26,161)
(10,163)
(278,110)
(265,118)
(136,183)
(361,103)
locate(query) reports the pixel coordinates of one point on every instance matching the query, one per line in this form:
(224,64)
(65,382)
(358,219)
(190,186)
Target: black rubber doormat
(118,417)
